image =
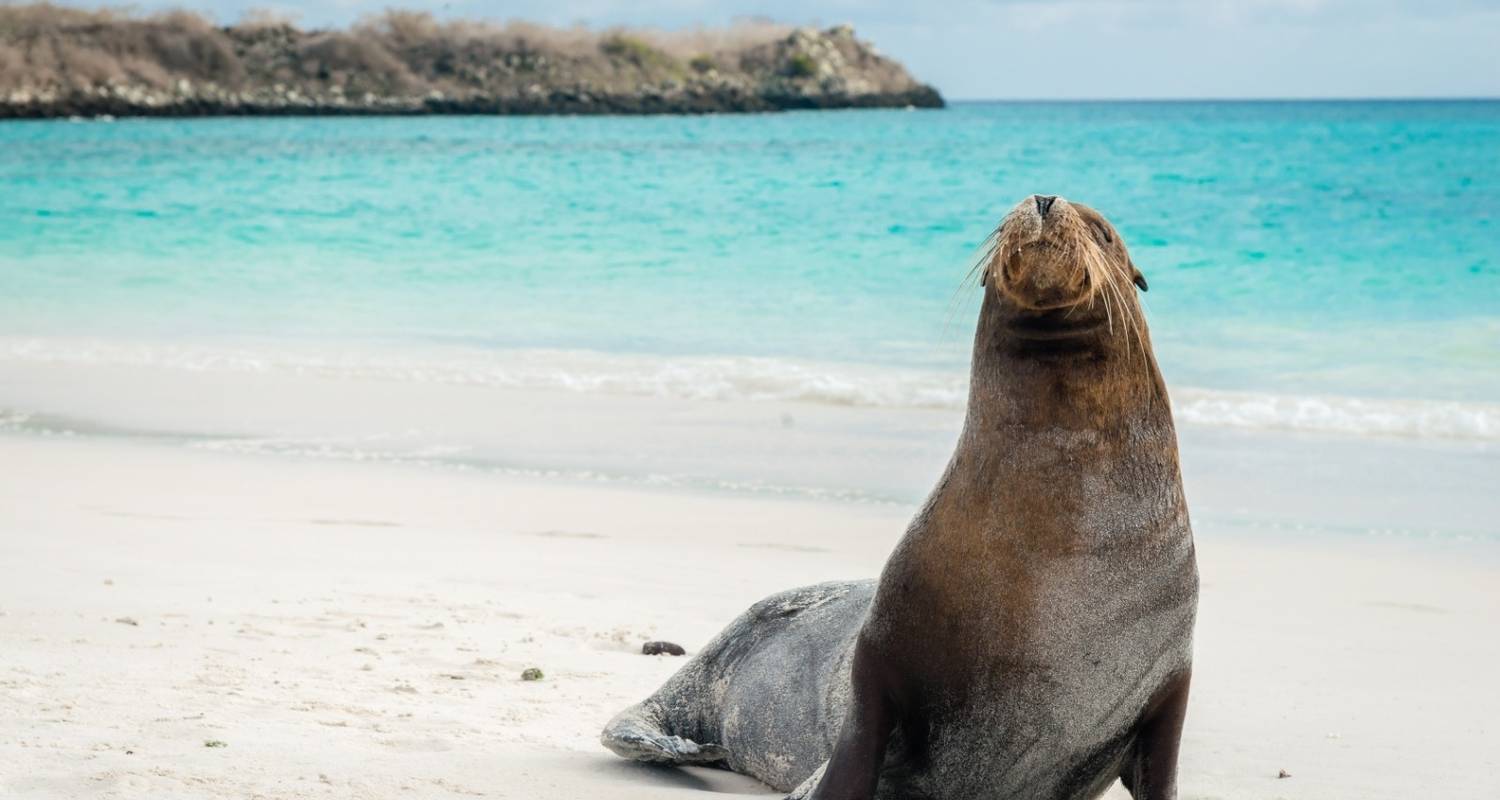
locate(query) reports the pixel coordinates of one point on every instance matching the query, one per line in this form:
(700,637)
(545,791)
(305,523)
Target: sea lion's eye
(1104,235)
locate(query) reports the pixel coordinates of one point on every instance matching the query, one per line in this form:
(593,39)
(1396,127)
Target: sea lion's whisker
(1108,312)
(982,263)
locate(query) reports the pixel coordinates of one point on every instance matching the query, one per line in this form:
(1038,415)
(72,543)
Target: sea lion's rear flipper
(638,734)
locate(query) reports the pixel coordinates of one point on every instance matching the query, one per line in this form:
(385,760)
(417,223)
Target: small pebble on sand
(531,674)
(215,743)
(1283,774)
(126,621)
(659,648)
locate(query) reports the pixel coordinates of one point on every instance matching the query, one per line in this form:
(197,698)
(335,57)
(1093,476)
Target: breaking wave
(735,378)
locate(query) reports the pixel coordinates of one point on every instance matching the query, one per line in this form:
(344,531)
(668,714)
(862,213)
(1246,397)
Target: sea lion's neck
(1060,434)
(1069,372)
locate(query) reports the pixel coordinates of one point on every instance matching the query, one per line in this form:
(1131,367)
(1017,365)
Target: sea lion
(1031,635)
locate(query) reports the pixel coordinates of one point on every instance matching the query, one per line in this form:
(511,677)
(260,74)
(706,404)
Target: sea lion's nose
(1044,203)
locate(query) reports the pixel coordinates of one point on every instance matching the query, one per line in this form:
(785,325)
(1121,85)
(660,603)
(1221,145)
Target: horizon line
(1250,99)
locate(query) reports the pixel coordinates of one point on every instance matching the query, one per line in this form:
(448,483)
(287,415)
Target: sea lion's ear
(1138,279)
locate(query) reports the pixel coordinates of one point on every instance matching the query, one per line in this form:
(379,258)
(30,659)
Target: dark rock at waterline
(662,648)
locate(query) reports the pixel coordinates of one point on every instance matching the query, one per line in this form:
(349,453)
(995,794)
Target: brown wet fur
(1067,413)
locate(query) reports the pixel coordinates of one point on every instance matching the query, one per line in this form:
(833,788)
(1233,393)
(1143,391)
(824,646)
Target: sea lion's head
(1049,253)
(1063,274)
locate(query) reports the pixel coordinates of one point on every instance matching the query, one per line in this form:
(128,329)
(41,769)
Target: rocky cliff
(65,62)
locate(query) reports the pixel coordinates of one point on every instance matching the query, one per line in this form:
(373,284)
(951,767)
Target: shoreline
(360,629)
(727,439)
(934,386)
(561,103)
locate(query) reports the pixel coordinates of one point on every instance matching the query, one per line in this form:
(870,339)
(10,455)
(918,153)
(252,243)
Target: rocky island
(63,62)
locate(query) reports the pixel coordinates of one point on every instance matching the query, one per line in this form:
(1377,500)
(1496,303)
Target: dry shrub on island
(53,46)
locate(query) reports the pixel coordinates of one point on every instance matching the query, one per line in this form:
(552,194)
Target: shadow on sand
(703,779)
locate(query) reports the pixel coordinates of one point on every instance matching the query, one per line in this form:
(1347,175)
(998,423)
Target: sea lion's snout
(1042,254)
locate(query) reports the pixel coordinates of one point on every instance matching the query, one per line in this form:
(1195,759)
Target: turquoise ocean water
(1330,265)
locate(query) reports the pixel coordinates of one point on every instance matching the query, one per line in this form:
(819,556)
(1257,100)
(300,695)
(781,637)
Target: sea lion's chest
(1027,659)
(1054,624)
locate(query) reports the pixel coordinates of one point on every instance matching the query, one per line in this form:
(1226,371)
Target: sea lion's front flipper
(1151,771)
(854,769)
(637,734)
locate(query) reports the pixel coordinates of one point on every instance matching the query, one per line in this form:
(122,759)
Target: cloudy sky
(1076,48)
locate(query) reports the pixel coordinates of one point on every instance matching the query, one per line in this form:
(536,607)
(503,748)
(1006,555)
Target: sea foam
(751,379)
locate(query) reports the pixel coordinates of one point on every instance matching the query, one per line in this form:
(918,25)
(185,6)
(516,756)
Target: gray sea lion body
(770,690)
(1030,637)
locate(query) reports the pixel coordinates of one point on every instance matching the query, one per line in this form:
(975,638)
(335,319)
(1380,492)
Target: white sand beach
(359,630)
